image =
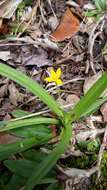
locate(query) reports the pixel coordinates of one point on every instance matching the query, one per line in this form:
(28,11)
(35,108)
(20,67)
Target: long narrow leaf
(27,122)
(95,106)
(15,183)
(24,168)
(13,148)
(32,86)
(38,131)
(91,96)
(50,161)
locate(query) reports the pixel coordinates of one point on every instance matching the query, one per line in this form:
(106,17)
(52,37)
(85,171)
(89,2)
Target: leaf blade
(50,161)
(90,97)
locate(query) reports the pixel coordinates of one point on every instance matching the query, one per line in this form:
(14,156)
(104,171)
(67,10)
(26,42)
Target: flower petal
(58,82)
(53,74)
(58,73)
(49,79)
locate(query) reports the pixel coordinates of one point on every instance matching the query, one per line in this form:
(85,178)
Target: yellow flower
(55,77)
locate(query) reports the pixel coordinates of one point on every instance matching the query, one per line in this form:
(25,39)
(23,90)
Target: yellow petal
(58,73)
(53,74)
(58,82)
(49,79)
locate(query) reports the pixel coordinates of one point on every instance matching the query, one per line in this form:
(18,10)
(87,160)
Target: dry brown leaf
(104,111)
(4,27)
(6,138)
(67,27)
(72,99)
(14,95)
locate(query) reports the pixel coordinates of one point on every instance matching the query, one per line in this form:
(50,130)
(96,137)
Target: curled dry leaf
(67,27)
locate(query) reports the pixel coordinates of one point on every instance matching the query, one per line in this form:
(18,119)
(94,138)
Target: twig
(45,43)
(41,11)
(49,2)
(65,83)
(92,38)
(39,113)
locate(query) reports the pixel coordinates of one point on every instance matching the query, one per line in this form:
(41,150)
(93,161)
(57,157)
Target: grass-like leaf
(24,168)
(45,166)
(16,182)
(90,97)
(20,146)
(32,86)
(40,130)
(27,122)
(95,106)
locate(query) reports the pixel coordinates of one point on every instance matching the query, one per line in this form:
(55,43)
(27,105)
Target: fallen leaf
(3,91)
(72,99)
(67,27)
(8,7)
(6,138)
(39,59)
(103,110)
(4,27)
(5,55)
(14,95)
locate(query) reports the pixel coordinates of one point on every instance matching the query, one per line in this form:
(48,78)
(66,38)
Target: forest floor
(68,38)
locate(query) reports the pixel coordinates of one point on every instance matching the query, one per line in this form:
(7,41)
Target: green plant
(63,120)
(99,11)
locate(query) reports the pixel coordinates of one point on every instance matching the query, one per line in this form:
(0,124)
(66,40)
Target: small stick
(92,38)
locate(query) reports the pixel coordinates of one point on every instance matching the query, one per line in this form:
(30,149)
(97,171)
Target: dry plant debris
(68,26)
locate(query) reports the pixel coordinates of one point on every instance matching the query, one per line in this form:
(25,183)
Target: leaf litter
(56,35)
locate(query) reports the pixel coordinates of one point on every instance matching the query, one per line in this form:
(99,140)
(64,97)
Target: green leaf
(7,150)
(32,86)
(95,106)
(98,4)
(24,168)
(45,166)
(15,183)
(33,131)
(19,113)
(27,122)
(56,186)
(90,97)
(91,13)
